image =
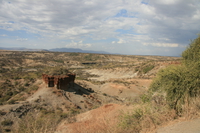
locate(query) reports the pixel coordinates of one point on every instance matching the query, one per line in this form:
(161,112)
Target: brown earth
(101,120)
(181,126)
(102,90)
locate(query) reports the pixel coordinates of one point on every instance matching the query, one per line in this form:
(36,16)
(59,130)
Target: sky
(131,27)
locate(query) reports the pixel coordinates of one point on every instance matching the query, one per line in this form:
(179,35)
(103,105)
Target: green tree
(180,84)
(191,55)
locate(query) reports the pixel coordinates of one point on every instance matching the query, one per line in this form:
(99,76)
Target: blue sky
(132,27)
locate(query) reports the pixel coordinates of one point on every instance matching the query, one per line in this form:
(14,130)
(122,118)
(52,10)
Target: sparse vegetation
(147,68)
(74,54)
(21,71)
(145,117)
(174,93)
(56,71)
(34,122)
(12,101)
(7,122)
(44,120)
(59,61)
(181,83)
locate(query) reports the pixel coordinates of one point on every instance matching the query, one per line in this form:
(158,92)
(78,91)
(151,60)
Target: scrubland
(112,93)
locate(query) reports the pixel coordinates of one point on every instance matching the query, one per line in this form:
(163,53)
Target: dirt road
(192,126)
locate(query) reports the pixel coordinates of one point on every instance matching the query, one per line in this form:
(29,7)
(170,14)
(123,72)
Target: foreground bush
(180,84)
(145,117)
(173,93)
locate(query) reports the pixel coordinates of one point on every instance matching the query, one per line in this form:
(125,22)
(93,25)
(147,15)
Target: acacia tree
(179,84)
(191,55)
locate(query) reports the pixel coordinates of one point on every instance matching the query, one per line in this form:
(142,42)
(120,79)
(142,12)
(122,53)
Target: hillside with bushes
(174,94)
(112,93)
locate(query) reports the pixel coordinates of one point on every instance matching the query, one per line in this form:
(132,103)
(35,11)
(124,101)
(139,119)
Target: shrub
(26,84)
(57,71)
(145,98)
(88,57)
(4,98)
(7,122)
(31,88)
(191,55)
(10,93)
(12,101)
(131,121)
(34,87)
(147,68)
(59,61)
(104,94)
(7,130)
(180,84)
(74,54)
(64,115)
(38,123)
(21,88)
(144,118)
(2,112)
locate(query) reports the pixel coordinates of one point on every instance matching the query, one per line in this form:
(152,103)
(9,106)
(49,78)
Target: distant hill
(55,50)
(21,49)
(77,50)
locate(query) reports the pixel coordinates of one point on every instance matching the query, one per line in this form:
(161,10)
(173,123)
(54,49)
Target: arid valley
(105,90)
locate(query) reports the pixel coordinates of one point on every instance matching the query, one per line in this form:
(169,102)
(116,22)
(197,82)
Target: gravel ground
(192,126)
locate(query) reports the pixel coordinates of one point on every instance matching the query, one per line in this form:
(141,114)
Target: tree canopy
(179,84)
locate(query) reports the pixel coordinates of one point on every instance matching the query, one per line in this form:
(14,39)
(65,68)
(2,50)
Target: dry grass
(43,121)
(37,123)
(148,116)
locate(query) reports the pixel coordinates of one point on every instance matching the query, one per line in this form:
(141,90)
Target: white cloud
(161,23)
(163,44)
(121,41)
(21,39)
(79,44)
(167,2)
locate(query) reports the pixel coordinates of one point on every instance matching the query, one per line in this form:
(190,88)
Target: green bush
(131,121)
(88,57)
(191,55)
(91,57)
(59,61)
(145,98)
(147,68)
(180,84)
(74,54)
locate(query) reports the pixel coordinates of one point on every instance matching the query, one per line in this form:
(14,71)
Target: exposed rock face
(58,81)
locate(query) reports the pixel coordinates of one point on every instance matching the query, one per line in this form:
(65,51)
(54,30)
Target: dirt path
(192,126)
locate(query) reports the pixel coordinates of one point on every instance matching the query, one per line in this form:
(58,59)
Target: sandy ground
(104,75)
(191,126)
(97,120)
